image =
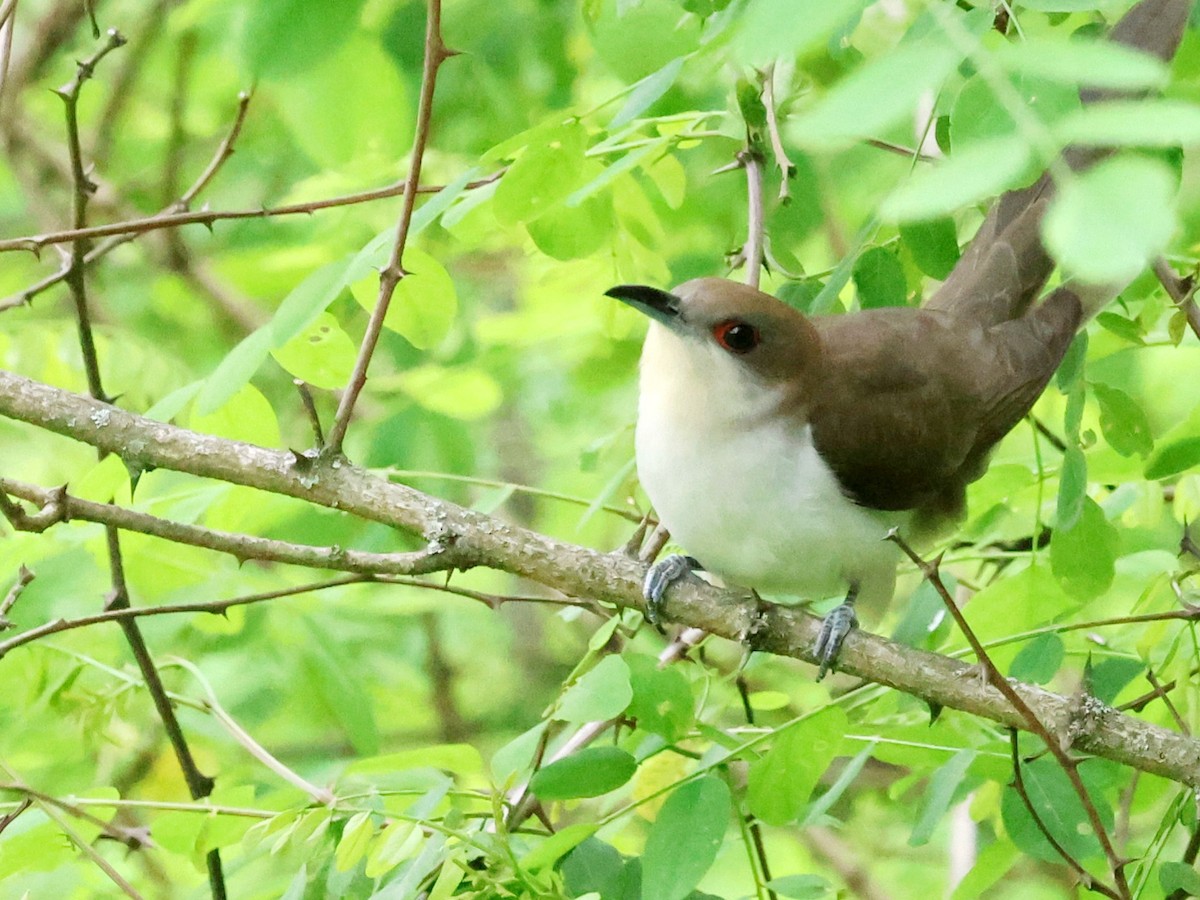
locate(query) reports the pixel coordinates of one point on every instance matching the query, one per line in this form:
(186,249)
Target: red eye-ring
(736,336)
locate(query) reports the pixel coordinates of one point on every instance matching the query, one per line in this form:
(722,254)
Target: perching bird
(780,449)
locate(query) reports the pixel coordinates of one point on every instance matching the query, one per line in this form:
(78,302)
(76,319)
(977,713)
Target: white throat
(741,486)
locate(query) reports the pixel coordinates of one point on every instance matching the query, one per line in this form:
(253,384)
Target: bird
(780,449)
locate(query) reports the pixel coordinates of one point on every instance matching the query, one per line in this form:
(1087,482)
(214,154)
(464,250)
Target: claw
(661,576)
(840,621)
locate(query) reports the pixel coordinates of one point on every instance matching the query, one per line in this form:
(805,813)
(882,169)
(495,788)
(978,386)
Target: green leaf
(238,366)
(768,29)
(802,887)
(542,175)
(781,780)
(1083,556)
(460,392)
(1106,223)
(589,773)
(1176,876)
(1080,62)
(594,867)
(283,37)
(978,170)
(684,839)
(1058,806)
(424,303)
(879,279)
(662,698)
(1123,422)
(553,848)
(399,840)
(568,232)
(875,96)
(979,113)
(330,668)
(1124,328)
(350,88)
(1132,123)
(646,92)
(461,759)
(1038,660)
(601,693)
(322,354)
(1177,456)
(933,244)
(942,787)
(306,301)
(355,839)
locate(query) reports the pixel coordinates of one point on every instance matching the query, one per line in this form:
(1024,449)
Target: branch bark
(613,578)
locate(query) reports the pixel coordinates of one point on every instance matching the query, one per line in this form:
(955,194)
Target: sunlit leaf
(1107,223)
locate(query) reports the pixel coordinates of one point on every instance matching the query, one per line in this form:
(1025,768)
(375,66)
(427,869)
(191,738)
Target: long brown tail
(1005,267)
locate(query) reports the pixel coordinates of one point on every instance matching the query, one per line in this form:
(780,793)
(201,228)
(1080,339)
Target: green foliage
(575,147)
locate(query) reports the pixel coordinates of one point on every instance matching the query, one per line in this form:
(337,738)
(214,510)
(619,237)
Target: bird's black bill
(657,304)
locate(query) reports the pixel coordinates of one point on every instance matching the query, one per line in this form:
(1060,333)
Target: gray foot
(661,576)
(840,621)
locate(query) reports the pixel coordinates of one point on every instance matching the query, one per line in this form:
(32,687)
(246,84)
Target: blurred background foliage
(506,381)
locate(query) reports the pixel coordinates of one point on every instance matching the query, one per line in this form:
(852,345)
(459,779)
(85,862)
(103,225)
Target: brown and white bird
(780,449)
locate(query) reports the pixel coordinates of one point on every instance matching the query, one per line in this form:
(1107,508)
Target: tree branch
(436,53)
(577,571)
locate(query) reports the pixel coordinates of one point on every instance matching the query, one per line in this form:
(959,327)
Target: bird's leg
(661,576)
(840,621)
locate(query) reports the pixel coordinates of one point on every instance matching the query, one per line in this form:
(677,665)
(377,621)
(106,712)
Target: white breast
(745,491)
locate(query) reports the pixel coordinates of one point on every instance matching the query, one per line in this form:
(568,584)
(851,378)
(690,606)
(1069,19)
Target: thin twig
(786,168)
(1085,877)
(756,218)
(51,808)
(199,785)
(900,150)
(1069,764)
(215,607)
(207,217)
(213,706)
(436,53)
(24,576)
(310,410)
(1181,290)
(241,546)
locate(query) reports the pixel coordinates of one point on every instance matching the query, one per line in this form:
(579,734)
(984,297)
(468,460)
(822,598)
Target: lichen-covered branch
(614,578)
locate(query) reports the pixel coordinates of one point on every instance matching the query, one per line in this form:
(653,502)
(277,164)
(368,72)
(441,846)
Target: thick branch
(613,578)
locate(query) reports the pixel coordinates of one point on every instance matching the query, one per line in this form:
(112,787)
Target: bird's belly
(761,509)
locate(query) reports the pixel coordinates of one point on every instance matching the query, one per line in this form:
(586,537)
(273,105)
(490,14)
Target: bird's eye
(736,336)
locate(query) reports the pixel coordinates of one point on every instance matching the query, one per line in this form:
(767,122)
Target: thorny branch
(436,53)
(1180,290)
(199,785)
(1033,724)
(579,572)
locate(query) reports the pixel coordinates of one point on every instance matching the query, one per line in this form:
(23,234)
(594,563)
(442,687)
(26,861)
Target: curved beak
(662,306)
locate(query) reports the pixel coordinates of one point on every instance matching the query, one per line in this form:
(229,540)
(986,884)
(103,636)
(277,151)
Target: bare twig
(1085,877)
(240,546)
(1181,290)
(215,607)
(310,410)
(756,218)
(24,577)
(208,217)
(785,165)
(436,53)
(1034,724)
(199,785)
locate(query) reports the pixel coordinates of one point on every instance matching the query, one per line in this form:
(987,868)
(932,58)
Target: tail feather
(1006,267)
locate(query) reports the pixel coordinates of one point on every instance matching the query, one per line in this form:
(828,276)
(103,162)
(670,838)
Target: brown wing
(909,430)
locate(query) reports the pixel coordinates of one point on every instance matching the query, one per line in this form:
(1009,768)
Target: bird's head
(724,330)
